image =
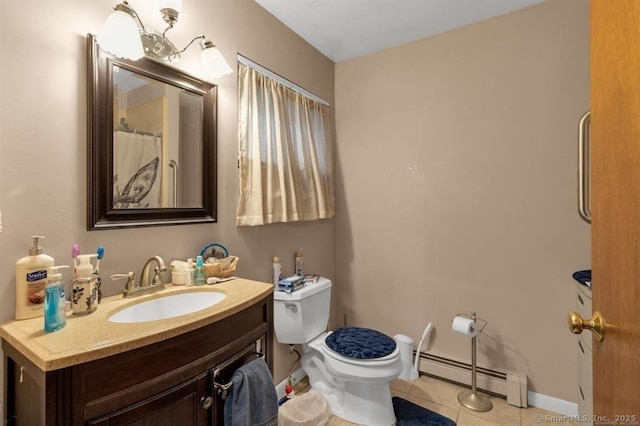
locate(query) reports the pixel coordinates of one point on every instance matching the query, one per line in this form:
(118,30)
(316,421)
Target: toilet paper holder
(470,398)
(475,319)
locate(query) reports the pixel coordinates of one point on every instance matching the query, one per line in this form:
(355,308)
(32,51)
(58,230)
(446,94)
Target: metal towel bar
(223,389)
(174,166)
(584,168)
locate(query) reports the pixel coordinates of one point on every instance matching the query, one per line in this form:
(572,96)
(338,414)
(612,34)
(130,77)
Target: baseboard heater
(509,385)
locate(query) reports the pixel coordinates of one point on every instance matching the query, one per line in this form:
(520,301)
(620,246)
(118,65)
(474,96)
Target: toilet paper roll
(464,325)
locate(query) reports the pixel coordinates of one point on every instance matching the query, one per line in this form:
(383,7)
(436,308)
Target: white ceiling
(345,29)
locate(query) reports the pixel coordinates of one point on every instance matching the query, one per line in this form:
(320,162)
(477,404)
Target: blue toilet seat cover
(360,343)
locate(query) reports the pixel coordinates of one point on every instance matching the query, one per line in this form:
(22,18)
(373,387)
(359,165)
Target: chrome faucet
(157,278)
(146,285)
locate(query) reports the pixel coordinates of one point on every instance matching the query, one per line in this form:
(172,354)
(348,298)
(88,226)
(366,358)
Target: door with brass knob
(595,324)
(615,208)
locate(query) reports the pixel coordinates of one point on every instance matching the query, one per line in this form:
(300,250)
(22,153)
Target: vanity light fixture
(121,36)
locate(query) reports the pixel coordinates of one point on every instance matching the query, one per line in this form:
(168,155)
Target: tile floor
(441,397)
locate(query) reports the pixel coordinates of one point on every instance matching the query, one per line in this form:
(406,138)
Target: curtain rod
(124,127)
(138,132)
(248,62)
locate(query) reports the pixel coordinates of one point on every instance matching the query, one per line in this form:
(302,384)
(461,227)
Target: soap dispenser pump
(55,317)
(31,277)
(84,296)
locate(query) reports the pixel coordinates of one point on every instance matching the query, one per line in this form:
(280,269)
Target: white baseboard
(298,375)
(550,403)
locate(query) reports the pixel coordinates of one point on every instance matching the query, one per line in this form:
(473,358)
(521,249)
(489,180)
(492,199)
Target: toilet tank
(302,315)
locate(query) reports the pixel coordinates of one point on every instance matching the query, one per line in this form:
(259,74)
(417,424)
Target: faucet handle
(122,276)
(131,285)
(157,278)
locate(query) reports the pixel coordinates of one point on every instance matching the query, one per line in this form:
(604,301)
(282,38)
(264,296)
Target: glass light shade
(170,4)
(120,36)
(213,63)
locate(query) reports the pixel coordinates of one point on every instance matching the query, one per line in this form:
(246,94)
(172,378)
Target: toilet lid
(360,343)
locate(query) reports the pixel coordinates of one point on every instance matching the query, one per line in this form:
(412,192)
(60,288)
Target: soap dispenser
(84,292)
(54,302)
(31,277)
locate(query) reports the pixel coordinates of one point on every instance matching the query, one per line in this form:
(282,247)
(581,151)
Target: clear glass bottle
(199,272)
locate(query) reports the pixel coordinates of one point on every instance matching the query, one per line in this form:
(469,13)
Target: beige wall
(43,141)
(456,159)
(455,163)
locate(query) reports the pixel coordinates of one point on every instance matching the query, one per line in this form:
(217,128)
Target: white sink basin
(169,306)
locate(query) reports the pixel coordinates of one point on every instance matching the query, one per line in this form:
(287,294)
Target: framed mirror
(152,144)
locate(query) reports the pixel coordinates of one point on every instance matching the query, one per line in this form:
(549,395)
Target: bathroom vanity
(162,372)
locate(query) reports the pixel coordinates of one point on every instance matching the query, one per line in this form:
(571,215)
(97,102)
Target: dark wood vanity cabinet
(181,405)
(166,383)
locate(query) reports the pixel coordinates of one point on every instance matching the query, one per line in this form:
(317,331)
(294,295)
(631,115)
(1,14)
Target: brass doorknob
(595,324)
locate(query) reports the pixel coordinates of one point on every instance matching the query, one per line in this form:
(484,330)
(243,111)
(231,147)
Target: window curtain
(285,153)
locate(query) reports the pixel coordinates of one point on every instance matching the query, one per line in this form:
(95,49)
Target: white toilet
(357,390)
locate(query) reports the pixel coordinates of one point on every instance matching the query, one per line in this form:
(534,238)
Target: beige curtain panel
(285,152)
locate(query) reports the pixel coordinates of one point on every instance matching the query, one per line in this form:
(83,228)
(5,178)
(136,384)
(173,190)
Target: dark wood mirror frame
(100,211)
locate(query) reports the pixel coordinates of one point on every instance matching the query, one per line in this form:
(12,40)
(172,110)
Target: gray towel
(253,400)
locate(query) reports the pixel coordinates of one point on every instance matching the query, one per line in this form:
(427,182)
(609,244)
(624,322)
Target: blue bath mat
(410,414)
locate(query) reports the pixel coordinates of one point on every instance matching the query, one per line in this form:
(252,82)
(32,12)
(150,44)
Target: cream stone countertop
(90,337)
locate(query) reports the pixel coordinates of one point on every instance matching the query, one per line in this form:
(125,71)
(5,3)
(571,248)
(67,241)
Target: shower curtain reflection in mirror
(152,144)
(136,171)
